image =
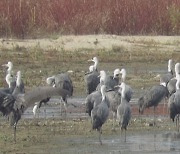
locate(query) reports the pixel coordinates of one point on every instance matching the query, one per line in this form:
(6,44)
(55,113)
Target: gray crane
(114,98)
(124,109)
(92,100)
(11,79)
(100,113)
(171,86)
(169,75)
(109,81)
(153,97)
(91,78)
(11,84)
(63,81)
(9,73)
(19,88)
(15,106)
(14,90)
(174,103)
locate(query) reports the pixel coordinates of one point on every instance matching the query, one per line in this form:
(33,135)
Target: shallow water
(144,142)
(137,142)
(53,109)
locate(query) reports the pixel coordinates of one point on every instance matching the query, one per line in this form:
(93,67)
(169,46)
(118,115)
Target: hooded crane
(10,78)
(100,113)
(124,109)
(115,96)
(61,80)
(9,65)
(153,97)
(109,81)
(19,85)
(14,91)
(11,84)
(92,100)
(16,106)
(123,72)
(174,102)
(128,90)
(171,86)
(169,75)
(91,78)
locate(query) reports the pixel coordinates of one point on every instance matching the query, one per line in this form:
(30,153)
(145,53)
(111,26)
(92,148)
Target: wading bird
(62,81)
(174,103)
(153,97)
(16,106)
(124,109)
(109,81)
(171,86)
(100,113)
(169,75)
(92,100)
(91,78)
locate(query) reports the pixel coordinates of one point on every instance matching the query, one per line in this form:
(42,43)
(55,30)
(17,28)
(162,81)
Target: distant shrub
(33,18)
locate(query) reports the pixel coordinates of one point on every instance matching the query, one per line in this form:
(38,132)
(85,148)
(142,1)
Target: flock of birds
(105,93)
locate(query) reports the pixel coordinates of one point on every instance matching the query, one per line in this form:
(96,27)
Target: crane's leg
(125,136)
(154,115)
(114,119)
(45,111)
(100,132)
(61,101)
(65,106)
(177,122)
(14,127)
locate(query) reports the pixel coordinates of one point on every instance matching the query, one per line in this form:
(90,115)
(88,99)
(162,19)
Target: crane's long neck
(177,75)
(103,77)
(18,80)
(177,70)
(95,64)
(9,80)
(178,83)
(170,66)
(103,92)
(123,76)
(9,70)
(122,91)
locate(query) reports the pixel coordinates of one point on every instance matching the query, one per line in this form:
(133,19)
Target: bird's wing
(40,93)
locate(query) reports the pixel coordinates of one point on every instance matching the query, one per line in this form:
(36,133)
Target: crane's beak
(90,60)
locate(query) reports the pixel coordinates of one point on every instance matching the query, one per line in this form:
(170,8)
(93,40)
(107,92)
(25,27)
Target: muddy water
(145,142)
(150,142)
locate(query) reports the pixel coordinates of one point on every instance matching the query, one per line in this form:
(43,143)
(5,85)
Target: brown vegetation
(23,18)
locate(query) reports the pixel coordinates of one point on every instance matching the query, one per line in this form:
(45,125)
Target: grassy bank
(38,59)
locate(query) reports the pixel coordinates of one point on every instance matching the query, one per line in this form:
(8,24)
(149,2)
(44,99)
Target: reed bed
(35,18)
